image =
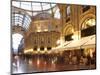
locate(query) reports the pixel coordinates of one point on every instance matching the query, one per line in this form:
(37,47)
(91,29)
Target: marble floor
(38,64)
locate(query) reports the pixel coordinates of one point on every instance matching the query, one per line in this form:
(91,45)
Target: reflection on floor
(40,64)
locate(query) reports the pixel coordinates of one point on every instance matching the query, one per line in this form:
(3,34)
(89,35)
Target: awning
(60,47)
(77,44)
(91,43)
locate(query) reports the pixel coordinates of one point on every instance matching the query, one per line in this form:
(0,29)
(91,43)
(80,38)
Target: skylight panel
(36,7)
(26,5)
(15,3)
(45,6)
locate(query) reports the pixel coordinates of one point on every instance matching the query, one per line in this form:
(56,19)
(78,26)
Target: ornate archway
(68,29)
(86,18)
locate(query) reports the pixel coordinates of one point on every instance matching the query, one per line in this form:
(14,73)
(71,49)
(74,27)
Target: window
(88,31)
(41,48)
(33,6)
(35,48)
(17,4)
(21,20)
(57,13)
(36,7)
(68,11)
(88,22)
(45,6)
(68,37)
(26,5)
(48,48)
(88,27)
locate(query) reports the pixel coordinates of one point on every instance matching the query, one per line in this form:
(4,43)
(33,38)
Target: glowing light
(91,22)
(30,62)
(91,53)
(39,29)
(38,49)
(53,62)
(45,49)
(76,35)
(27,51)
(38,61)
(45,29)
(73,30)
(42,52)
(58,42)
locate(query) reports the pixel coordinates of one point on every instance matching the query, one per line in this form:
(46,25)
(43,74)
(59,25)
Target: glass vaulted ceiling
(23,11)
(19,19)
(33,7)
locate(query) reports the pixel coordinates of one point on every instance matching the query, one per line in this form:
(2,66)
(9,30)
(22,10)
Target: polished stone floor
(39,64)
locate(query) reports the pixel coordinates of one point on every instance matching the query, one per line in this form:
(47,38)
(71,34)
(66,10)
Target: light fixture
(45,49)
(29,50)
(45,29)
(38,49)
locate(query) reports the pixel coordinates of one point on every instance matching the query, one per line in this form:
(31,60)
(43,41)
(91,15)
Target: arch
(87,23)
(87,16)
(68,29)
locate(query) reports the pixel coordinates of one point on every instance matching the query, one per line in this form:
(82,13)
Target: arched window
(57,13)
(88,22)
(68,11)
